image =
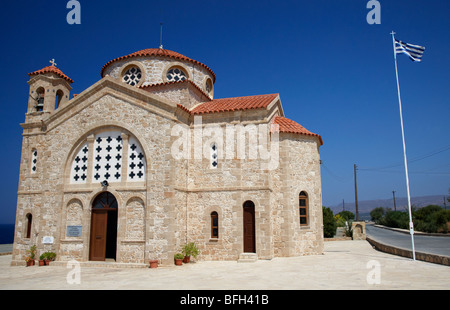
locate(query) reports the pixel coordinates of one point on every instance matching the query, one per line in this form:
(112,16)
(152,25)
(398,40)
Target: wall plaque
(47,240)
(74,231)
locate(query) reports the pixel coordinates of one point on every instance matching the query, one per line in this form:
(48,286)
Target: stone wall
(173,205)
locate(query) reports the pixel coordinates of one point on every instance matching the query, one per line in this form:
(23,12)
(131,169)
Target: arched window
(29,222)
(176,74)
(303,208)
(214,159)
(108,160)
(59,96)
(214,225)
(40,92)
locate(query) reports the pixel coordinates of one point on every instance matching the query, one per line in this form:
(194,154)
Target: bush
(396,219)
(431,219)
(329,224)
(347,215)
(377,214)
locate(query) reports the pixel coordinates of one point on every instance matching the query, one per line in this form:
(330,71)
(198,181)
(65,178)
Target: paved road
(422,243)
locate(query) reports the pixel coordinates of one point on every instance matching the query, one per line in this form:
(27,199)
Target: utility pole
(395,208)
(356,195)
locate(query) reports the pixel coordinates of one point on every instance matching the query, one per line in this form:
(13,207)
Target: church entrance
(103,243)
(249,227)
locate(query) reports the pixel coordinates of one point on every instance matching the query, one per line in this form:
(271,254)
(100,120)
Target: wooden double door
(103,241)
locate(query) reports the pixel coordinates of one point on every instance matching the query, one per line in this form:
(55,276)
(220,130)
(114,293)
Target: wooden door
(249,227)
(98,235)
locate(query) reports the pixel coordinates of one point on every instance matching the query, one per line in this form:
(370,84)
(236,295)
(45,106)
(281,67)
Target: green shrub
(377,214)
(329,224)
(396,219)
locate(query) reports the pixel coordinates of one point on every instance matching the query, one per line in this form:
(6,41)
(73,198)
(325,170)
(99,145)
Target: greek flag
(414,52)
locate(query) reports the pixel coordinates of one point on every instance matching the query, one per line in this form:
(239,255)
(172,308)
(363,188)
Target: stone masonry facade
(169,200)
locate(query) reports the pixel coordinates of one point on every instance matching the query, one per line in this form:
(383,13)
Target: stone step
(105,264)
(247,258)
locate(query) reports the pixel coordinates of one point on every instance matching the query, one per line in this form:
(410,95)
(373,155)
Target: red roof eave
(289,126)
(51,69)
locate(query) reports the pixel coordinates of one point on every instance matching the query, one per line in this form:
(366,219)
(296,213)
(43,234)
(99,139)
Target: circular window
(132,76)
(175,75)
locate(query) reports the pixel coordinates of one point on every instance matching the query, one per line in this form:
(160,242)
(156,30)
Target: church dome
(157,66)
(149,52)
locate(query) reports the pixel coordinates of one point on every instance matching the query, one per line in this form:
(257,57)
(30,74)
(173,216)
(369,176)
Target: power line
(414,159)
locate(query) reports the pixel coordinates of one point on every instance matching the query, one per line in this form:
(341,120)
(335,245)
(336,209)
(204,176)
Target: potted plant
(178,259)
(49,257)
(42,259)
(31,255)
(153,263)
(190,249)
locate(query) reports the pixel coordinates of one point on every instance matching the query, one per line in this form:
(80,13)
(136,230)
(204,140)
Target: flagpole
(411,226)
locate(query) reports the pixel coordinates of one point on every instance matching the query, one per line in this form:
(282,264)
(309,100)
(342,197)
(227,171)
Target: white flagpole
(411,226)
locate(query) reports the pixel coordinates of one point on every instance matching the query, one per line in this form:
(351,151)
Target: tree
(329,224)
(377,214)
(347,215)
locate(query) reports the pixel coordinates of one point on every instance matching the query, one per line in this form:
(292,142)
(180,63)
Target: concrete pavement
(353,265)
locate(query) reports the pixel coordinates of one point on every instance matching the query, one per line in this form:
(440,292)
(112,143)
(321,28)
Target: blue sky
(334,73)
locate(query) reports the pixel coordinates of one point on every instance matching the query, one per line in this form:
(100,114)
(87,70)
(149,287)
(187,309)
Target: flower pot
(47,262)
(41,262)
(186,259)
(178,262)
(30,263)
(153,263)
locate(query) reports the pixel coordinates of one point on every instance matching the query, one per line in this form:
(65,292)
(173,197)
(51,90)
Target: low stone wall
(431,258)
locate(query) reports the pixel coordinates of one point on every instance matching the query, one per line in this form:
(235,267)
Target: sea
(6,233)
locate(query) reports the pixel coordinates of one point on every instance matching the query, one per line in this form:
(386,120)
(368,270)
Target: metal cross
(53,62)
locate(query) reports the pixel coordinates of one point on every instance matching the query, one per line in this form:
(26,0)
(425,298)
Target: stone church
(146,160)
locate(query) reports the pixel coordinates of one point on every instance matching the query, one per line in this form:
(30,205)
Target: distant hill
(365,206)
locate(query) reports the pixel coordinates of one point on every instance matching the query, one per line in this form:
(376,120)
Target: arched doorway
(249,227)
(103,243)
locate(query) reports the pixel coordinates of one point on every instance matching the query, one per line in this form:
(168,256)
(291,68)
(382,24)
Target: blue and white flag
(414,52)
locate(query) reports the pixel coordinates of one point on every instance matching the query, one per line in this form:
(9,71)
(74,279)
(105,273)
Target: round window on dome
(132,76)
(175,75)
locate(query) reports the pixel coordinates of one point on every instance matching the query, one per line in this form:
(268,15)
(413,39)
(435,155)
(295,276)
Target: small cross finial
(53,62)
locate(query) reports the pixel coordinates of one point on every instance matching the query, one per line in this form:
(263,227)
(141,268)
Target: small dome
(158,52)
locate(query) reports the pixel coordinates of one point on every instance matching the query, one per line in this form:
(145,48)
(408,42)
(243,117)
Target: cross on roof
(53,62)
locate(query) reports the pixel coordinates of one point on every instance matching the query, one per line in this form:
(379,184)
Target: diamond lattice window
(108,163)
(132,76)
(175,75)
(33,161)
(214,156)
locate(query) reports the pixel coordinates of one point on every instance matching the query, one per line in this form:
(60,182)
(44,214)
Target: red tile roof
(159,52)
(51,69)
(287,125)
(234,104)
(149,87)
